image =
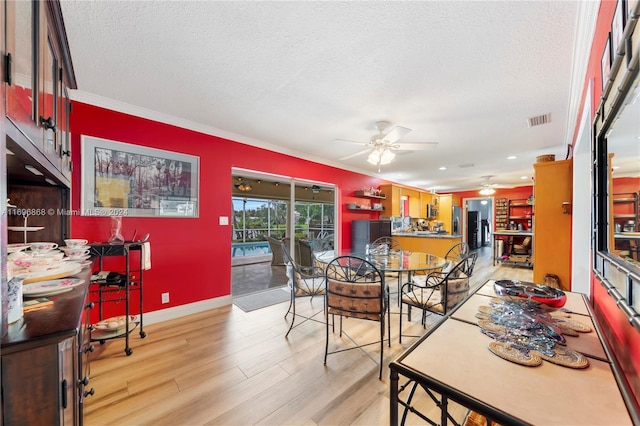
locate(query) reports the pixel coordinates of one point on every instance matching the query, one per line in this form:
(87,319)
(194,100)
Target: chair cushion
(457,290)
(356,300)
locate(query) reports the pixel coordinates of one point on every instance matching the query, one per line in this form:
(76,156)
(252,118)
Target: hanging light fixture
(486,188)
(374,157)
(243,186)
(487,191)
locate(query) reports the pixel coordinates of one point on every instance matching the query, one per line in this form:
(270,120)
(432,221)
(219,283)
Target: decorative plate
(505,351)
(566,358)
(114,323)
(49,288)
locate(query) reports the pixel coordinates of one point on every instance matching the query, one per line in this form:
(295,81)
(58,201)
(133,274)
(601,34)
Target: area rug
(262,299)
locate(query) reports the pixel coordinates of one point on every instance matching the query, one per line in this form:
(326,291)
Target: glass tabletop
(394,261)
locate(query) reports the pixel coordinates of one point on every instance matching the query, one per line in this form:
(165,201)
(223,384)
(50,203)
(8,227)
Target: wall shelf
(364,194)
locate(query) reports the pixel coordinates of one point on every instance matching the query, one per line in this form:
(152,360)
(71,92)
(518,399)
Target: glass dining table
(396,261)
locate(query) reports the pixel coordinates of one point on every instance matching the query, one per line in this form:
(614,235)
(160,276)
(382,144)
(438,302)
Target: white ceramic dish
(13,248)
(49,288)
(25,228)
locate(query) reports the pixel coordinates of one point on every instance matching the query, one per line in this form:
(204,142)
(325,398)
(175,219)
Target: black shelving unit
(107,292)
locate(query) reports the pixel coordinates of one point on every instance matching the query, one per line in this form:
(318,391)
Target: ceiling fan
(381,146)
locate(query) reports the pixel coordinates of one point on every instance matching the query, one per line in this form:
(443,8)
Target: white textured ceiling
(296,76)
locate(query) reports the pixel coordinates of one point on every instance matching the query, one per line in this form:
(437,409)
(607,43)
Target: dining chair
(303,282)
(440,292)
(392,245)
(276,249)
(471,263)
(457,252)
(356,289)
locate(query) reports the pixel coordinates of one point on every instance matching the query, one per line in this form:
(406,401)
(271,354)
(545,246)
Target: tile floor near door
(255,277)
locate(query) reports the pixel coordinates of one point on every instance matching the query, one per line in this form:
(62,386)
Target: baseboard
(184,310)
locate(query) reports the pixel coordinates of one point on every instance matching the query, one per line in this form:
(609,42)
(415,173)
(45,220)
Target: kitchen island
(437,244)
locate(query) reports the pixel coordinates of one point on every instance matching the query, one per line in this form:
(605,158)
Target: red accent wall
(624,339)
(191,257)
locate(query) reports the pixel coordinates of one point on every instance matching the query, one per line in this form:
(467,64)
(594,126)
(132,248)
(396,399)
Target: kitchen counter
(421,235)
(436,244)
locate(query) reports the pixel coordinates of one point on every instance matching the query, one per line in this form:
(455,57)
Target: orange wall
(191,257)
(517,193)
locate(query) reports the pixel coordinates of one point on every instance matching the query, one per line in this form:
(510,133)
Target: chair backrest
(471,263)
(303,281)
(390,242)
(306,253)
(458,251)
(355,288)
(453,286)
(276,249)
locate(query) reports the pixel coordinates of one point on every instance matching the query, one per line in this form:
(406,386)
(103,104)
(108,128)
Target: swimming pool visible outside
(254,248)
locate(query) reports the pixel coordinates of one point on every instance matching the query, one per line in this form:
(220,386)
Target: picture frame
(605,62)
(122,179)
(617,27)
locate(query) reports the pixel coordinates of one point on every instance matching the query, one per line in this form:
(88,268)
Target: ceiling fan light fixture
(487,191)
(387,156)
(374,157)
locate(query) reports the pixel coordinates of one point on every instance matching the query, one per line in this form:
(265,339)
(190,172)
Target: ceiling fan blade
(352,142)
(355,155)
(417,146)
(395,134)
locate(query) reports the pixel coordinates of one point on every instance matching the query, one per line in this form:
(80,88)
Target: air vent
(466,165)
(539,120)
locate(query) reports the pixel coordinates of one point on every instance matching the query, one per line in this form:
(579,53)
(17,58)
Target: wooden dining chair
(356,289)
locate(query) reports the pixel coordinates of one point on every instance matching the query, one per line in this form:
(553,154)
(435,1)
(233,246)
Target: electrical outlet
(165,297)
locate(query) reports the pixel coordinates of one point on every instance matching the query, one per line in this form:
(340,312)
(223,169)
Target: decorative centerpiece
(551,298)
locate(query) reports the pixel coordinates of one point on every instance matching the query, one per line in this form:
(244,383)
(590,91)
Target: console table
(452,363)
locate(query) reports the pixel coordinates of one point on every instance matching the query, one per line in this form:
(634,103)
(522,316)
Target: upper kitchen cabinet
(40,73)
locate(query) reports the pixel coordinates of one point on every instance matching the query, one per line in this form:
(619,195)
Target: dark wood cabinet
(39,74)
(44,362)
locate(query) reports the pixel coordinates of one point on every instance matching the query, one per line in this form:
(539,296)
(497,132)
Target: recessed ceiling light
(442,168)
(49,181)
(512,157)
(33,170)
(9,152)
(524,177)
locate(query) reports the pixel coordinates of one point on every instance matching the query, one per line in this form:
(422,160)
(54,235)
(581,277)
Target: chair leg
(326,343)
(290,304)
(400,331)
(381,347)
(388,321)
(293,318)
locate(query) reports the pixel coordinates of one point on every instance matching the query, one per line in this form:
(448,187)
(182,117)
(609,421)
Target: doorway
(477,220)
(278,208)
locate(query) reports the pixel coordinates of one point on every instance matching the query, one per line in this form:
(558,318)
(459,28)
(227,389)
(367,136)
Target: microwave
(432,211)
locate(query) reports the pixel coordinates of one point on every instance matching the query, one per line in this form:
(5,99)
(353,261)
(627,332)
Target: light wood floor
(228,367)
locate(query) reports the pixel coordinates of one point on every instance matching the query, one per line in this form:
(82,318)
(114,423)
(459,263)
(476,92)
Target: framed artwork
(606,62)
(617,27)
(121,179)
